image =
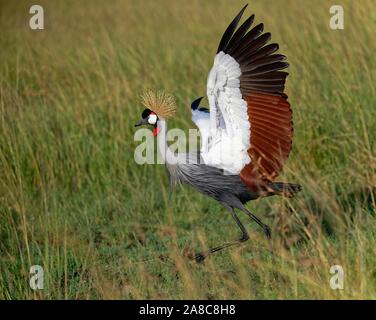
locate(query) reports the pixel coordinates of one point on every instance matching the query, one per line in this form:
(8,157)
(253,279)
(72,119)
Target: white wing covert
(229,125)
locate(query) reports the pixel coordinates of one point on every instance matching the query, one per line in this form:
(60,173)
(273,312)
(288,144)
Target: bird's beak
(141,122)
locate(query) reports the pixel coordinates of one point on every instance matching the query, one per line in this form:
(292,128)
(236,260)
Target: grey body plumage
(208,180)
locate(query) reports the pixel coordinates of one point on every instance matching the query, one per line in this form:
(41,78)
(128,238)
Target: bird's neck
(166,154)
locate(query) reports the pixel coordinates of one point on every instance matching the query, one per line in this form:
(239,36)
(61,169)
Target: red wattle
(155,131)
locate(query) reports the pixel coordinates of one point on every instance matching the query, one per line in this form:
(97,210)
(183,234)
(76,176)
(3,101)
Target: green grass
(73,200)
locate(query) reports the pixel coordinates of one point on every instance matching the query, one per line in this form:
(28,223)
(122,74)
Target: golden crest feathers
(160,102)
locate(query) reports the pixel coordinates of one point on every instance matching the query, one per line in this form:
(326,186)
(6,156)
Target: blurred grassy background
(73,200)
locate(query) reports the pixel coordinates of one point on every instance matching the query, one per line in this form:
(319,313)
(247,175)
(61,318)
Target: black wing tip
(245,7)
(240,14)
(252,50)
(230,30)
(267,36)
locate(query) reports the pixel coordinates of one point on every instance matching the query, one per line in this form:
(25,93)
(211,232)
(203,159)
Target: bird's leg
(244,237)
(258,221)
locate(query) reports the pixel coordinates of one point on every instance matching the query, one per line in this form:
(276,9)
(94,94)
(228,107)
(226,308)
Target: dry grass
(73,200)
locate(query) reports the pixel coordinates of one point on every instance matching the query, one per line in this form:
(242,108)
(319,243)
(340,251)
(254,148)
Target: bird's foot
(199,257)
(268,231)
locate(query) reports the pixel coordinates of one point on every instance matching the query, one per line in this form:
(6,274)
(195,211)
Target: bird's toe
(199,257)
(268,232)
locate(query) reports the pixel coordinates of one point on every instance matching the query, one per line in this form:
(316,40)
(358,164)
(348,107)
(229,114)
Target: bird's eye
(152,119)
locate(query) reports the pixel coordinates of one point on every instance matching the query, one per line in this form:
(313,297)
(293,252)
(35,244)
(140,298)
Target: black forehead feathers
(146,113)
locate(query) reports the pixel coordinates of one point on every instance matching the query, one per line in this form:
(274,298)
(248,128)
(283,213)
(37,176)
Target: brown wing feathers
(262,85)
(271,138)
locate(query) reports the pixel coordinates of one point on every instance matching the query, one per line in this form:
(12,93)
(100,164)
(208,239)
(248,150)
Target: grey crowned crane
(247,135)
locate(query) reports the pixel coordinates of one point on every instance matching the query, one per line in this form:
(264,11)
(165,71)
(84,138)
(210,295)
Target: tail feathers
(284,189)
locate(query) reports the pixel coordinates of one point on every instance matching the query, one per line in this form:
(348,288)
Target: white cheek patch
(152,119)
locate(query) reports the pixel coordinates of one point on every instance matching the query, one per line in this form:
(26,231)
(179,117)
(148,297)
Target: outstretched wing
(246,95)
